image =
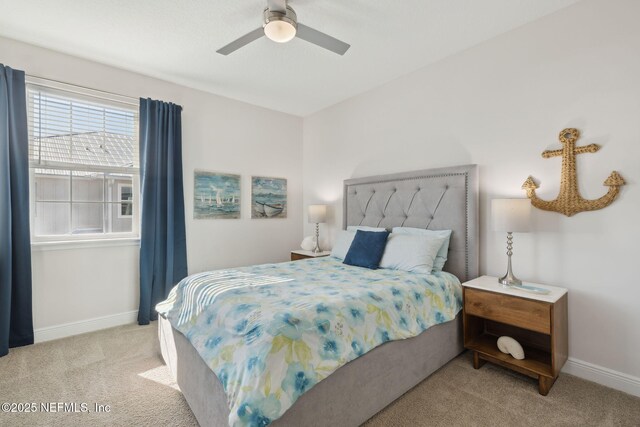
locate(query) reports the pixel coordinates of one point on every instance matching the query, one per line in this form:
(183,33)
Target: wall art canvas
(216,195)
(268,197)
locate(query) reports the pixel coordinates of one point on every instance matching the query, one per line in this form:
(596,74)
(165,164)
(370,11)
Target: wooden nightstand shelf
(301,254)
(537,322)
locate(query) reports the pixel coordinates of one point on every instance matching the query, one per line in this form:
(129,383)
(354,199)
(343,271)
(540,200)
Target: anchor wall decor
(569,202)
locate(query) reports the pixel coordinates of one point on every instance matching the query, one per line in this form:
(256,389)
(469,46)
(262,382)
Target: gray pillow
(441,257)
(342,244)
(411,252)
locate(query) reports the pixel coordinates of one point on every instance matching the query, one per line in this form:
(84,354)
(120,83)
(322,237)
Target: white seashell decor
(308,243)
(510,346)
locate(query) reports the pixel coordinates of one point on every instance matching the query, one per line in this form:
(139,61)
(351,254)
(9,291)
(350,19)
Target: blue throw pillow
(366,249)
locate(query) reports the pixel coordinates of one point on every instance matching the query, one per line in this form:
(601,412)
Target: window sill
(83,244)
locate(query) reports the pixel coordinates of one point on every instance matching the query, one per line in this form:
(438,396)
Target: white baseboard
(601,375)
(83,326)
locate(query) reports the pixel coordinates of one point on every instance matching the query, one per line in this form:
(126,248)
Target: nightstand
(301,254)
(538,322)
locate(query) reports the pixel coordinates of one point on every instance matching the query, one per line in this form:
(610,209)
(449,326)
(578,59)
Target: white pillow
(342,244)
(441,258)
(409,252)
(364,228)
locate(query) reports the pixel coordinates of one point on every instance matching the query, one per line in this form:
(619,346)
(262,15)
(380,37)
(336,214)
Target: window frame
(120,200)
(90,95)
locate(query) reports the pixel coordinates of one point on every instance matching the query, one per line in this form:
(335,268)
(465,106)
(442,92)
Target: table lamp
(317,216)
(512,216)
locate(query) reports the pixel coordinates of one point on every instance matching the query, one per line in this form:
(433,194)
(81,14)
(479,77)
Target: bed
(444,198)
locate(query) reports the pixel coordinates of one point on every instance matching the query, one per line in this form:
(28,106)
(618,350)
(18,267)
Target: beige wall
(100,284)
(500,105)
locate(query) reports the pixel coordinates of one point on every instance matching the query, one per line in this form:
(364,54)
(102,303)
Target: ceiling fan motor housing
(289,17)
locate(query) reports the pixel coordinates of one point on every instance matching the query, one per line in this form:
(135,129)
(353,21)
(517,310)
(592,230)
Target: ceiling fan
(281,25)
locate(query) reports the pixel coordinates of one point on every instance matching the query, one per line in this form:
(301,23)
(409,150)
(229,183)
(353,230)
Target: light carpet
(122,368)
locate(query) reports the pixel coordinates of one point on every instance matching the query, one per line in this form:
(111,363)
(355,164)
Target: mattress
(270,333)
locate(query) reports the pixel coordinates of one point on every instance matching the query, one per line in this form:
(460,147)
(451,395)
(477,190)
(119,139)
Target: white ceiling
(176,40)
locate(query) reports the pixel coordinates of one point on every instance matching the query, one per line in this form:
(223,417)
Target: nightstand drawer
(524,313)
(296,257)
(298,254)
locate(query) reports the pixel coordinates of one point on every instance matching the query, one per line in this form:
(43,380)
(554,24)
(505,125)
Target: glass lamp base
(509,281)
(317,249)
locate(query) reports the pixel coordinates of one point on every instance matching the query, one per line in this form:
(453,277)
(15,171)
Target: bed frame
(445,198)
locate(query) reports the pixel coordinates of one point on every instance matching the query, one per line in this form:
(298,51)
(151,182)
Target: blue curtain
(16,324)
(163,248)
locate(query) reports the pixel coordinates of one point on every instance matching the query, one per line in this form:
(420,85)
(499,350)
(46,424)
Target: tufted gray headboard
(436,199)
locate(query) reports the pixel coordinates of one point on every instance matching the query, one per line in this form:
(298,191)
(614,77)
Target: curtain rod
(132,100)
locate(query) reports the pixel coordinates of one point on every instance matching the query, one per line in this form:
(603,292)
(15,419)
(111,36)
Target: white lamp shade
(317,214)
(511,215)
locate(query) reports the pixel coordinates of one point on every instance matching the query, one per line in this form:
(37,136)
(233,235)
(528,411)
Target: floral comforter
(271,332)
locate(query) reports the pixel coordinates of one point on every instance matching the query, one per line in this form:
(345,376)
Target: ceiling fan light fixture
(279,31)
(280,27)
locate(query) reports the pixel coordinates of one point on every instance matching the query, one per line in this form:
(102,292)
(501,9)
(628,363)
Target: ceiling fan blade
(277,6)
(242,41)
(321,39)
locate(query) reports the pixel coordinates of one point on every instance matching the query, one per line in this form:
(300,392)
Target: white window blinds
(72,131)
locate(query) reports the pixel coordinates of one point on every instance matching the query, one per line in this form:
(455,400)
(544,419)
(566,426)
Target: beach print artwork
(216,195)
(268,197)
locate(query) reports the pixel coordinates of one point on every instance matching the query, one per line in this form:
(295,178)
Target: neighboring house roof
(88,148)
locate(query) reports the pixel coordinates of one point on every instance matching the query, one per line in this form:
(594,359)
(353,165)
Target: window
(125,196)
(83,155)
